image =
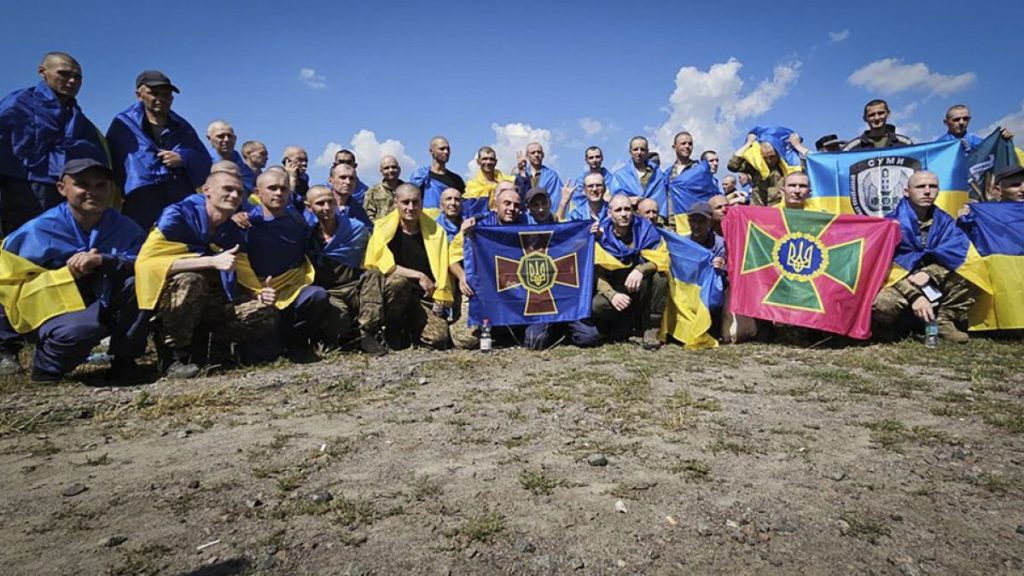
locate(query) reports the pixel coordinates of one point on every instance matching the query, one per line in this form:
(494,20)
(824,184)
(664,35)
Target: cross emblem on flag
(537,273)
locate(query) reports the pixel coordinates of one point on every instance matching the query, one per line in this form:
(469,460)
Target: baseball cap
(79,165)
(1008,172)
(154,78)
(534,192)
(700,209)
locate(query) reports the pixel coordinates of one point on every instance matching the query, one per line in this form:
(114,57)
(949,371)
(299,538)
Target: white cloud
(310,77)
(837,37)
(710,104)
(589,125)
(368,153)
(1013,122)
(891,76)
(512,138)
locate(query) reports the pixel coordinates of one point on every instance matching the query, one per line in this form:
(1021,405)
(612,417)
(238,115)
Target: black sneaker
(369,344)
(181,370)
(122,371)
(9,364)
(41,376)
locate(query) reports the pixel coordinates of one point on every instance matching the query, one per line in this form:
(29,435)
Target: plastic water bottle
(931,334)
(485,336)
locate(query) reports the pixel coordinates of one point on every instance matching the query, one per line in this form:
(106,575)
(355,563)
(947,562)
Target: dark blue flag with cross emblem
(530,274)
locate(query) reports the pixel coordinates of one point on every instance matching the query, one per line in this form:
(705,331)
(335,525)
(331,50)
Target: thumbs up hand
(267,295)
(225,261)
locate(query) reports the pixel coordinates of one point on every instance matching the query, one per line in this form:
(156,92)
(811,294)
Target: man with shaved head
(434,179)
(507,212)
(276,243)
(880,134)
(222,140)
(408,256)
(930,251)
(157,156)
(343,181)
(255,156)
(532,173)
(479,196)
(641,178)
(627,256)
(648,209)
(295,162)
(40,129)
(348,158)
(191,276)
(379,199)
(594,158)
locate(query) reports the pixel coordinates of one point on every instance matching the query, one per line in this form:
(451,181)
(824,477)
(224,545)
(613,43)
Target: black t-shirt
(410,252)
(450,180)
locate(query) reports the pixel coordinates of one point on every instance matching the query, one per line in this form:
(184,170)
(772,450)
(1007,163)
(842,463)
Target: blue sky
(570,74)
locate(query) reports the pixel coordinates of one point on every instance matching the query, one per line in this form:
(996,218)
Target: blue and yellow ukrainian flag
(778,137)
(996,230)
(871,182)
(694,289)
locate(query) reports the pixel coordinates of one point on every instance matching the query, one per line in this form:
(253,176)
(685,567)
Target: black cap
(830,142)
(534,192)
(153,78)
(79,165)
(1008,172)
(700,209)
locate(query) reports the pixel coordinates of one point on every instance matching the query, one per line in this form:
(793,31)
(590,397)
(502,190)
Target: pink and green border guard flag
(806,268)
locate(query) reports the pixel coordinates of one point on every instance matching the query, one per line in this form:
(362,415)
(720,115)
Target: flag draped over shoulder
(996,229)
(871,182)
(35,282)
(947,246)
(991,155)
(435,240)
(530,274)
(626,181)
(694,289)
(807,268)
(696,184)
(183,231)
(778,137)
(478,198)
(38,134)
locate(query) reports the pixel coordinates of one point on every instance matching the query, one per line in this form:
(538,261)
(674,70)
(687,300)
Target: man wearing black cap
(40,128)
(538,203)
(829,143)
(1010,184)
(700,217)
(67,278)
(581,333)
(157,156)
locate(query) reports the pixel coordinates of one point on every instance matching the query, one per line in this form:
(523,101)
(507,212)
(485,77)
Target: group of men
(218,256)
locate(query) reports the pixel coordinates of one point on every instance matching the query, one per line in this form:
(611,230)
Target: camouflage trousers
(644,311)
(891,310)
(401,312)
(192,301)
(354,306)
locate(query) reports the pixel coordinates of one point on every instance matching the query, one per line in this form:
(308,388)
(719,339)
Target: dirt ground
(882,459)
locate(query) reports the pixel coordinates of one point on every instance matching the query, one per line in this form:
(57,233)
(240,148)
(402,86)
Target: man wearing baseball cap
(41,127)
(67,278)
(1010,184)
(157,156)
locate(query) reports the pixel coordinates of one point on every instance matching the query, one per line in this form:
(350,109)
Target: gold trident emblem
(537,273)
(799,259)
